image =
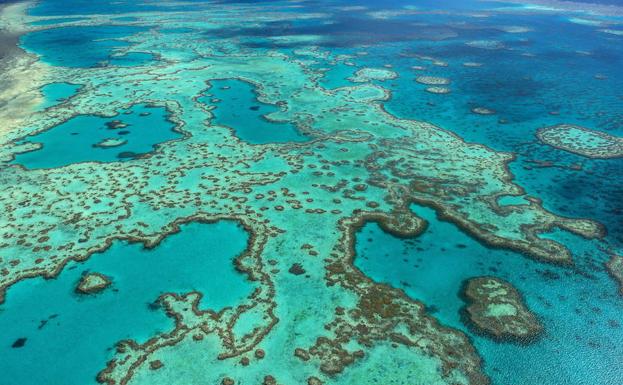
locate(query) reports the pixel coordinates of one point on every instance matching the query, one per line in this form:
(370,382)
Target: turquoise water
(75,140)
(237,107)
(56,93)
(69,336)
(581,310)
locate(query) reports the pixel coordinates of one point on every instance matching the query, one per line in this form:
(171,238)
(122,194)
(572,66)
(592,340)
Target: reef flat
(582,141)
(438,90)
(224,173)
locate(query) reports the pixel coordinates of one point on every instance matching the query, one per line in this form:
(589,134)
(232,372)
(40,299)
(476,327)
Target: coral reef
(582,141)
(92,283)
(495,308)
(615,269)
(432,81)
(368,74)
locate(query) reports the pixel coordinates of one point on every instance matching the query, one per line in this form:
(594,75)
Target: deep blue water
(90,7)
(87,7)
(77,139)
(70,336)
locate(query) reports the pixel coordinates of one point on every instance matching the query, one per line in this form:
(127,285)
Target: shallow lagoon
(79,331)
(82,138)
(56,93)
(238,107)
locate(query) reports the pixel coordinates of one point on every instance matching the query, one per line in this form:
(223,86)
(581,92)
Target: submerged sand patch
(22,73)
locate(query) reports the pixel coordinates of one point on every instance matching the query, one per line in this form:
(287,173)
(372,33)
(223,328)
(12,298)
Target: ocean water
(85,7)
(531,68)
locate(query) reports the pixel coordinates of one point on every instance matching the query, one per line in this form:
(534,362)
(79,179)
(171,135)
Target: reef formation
(615,268)
(495,308)
(92,283)
(367,74)
(438,90)
(582,141)
(432,80)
